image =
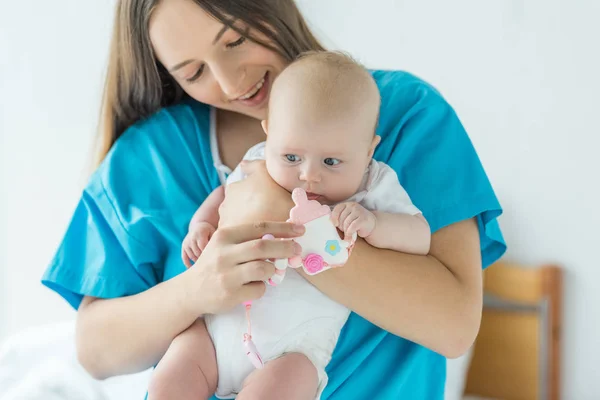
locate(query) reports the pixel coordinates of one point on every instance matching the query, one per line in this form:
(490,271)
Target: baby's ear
(374,143)
(264,125)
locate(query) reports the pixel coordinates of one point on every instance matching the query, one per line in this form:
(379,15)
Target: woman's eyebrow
(215,40)
(180,65)
(220,34)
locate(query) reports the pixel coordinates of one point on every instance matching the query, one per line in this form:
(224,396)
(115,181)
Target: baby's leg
(290,377)
(188,370)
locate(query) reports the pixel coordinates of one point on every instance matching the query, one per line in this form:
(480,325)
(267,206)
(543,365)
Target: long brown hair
(137,85)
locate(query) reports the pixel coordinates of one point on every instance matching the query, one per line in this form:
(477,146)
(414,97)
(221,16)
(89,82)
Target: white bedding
(41,364)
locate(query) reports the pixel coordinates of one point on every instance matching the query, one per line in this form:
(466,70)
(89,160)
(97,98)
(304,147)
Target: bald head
(325,86)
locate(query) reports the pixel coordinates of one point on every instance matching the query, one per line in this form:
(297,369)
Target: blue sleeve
(425,142)
(97,256)
(125,234)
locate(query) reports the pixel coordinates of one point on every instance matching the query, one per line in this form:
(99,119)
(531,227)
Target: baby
(323,112)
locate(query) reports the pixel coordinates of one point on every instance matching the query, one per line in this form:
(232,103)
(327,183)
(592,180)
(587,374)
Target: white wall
(53,56)
(3,227)
(522,76)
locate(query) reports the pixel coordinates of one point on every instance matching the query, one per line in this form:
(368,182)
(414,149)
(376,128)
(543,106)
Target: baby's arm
(396,224)
(209,209)
(202,226)
(395,231)
(401,232)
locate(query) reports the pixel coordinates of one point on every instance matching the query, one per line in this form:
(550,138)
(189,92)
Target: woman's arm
(129,334)
(433,300)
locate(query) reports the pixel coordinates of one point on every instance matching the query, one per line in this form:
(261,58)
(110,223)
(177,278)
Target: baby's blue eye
(292,158)
(331,161)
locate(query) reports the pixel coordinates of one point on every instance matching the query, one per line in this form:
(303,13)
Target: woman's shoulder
(170,147)
(182,124)
(166,136)
(404,97)
(403,90)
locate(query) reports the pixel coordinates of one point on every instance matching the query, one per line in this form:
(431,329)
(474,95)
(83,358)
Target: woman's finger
(253,271)
(251,291)
(262,249)
(246,232)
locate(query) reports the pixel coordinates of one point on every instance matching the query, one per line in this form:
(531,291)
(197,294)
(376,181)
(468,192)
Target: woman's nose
(230,79)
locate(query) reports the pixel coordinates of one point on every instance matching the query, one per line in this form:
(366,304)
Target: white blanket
(41,364)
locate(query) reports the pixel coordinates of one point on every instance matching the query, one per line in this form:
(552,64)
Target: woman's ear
(374,143)
(264,125)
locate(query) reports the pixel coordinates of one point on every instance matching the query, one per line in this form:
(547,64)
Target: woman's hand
(232,267)
(114,335)
(255,198)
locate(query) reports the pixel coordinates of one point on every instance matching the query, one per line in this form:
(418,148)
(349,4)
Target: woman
(188,83)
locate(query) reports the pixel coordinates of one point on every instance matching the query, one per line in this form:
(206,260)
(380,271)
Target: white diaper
(293,317)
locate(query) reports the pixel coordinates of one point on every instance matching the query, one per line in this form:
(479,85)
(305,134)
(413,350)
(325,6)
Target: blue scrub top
(125,235)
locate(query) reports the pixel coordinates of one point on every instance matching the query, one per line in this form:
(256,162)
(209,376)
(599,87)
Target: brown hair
(137,85)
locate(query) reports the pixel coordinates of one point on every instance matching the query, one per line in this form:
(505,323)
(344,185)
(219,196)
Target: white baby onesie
(294,316)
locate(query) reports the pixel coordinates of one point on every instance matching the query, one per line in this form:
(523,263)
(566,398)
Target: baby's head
(323,111)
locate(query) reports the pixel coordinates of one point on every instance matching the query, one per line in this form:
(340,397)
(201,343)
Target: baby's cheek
(346,186)
(284,177)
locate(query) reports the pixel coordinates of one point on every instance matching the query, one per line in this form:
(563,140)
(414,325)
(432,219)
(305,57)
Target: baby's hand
(353,218)
(195,242)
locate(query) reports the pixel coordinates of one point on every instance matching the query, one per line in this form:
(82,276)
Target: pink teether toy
(251,350)
(322,247)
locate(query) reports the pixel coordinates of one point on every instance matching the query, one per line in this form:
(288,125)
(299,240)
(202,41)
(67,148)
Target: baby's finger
(344,216)
(350,220)
(185,258)
(352,229)
(195,249)
(192,256)
(335,214)
(202,242)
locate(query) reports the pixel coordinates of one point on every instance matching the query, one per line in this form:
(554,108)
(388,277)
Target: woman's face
(213,64)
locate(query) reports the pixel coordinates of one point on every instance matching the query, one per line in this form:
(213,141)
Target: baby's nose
(310,175)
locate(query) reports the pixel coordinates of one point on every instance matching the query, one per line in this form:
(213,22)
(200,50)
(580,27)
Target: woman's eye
(197,75)
(292,158)
(238,42)
(331,161)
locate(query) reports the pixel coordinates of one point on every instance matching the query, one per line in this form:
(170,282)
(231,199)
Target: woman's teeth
(253,91)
